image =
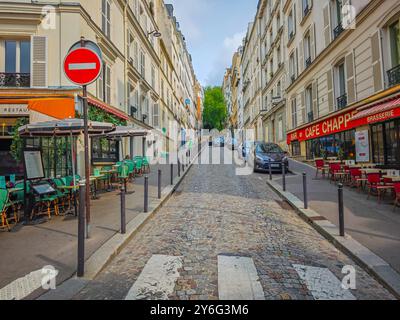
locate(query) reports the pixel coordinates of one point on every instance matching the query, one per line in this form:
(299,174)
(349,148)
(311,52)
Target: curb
(365,258)
(109,250)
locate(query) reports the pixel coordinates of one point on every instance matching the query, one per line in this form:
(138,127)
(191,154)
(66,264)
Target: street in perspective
(208,151)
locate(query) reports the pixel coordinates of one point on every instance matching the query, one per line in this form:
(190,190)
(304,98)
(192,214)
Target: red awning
(378,109)
(119,113)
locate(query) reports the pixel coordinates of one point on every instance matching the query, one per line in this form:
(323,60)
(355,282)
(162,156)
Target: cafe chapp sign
(339,123)
(362,146)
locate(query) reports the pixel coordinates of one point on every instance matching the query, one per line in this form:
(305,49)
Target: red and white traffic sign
(82,66)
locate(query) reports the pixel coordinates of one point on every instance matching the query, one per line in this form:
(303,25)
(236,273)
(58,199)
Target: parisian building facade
(147,79)
(321,78)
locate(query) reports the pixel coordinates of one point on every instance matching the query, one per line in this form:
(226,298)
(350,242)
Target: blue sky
(214,30)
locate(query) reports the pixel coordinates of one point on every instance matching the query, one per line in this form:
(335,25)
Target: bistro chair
(13,180)
(3,184)
(334,171)
(100,177)
(321,167)
(139,166)
(146,165)
(374,183)
(4,206)
(396,187)
(123,175)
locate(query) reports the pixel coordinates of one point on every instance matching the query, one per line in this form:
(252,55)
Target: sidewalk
(375,226)
(29,248)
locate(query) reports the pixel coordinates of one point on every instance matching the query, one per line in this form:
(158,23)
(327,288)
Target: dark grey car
(266,154)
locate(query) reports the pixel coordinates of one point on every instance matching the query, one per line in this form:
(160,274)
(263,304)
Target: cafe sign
(329,126)
(14,110)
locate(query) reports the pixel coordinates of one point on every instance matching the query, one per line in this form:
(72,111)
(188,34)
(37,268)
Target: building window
(106,17)
(306,8)
(338,18)
(394,38)
(340,86)
(291,29)
(153,77)
(156,116)
(307,50)
(294,114)
(309,108)
(279,89)
(17,64)
(142,64)
(104,151)
(104,84)
(292,67)
(385,143)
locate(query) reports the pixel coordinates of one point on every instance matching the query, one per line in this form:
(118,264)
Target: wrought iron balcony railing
(394,76)
(308,62)
(342,101)
(338,30)
(15,79)
(310,116)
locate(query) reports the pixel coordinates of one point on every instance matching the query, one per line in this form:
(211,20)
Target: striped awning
(377,109)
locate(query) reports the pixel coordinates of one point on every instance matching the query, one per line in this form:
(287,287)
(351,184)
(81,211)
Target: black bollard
(146,194)
(305,190)
(123,208)
(81,232)
(179,168)
(159,183)
(172,174)
(270,170)
(341,210)
(284,175)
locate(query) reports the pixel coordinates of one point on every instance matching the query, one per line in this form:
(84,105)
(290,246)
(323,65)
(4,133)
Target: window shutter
(315,99)
(329,81)
(312,42)
(39,62)
(351,94)
(299,8)
(327,25)
(376,61)
(301,56)
(303,107)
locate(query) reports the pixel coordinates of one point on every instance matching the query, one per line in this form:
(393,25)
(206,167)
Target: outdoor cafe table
(109,173)
(394,179)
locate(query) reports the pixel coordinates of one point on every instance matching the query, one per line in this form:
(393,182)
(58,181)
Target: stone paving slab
(370,261)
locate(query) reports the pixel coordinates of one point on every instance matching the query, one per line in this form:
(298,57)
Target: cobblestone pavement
(214,212)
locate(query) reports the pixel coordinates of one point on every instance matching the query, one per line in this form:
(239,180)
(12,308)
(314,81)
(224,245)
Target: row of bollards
(123,189)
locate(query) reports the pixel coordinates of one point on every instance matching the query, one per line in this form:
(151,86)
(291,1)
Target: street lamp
(155,33)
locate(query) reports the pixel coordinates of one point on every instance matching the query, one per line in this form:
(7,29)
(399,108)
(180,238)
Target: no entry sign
(82,66)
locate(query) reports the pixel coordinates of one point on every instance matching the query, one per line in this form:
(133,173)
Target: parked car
(266,153)
(219,142)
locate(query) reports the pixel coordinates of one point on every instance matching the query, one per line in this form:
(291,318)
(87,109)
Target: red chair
(321,167)
(356,179)
(375,183)
(334,168)
(396,187)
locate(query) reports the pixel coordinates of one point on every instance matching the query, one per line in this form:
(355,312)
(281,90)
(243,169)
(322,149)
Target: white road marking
(157,280)
(23,287)
(82,66)
(238,279)
(323,284)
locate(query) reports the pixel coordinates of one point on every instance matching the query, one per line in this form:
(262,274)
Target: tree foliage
(215,113)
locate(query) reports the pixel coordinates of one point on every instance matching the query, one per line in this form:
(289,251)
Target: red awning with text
(378,113)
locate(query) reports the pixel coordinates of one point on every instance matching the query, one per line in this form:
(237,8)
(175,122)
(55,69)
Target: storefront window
(341,144)
(296,150)
(104,150)
(385,143)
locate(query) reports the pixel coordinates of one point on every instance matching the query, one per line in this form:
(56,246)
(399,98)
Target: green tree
(215,113)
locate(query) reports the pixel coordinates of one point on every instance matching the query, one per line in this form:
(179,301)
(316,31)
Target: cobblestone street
(216,213)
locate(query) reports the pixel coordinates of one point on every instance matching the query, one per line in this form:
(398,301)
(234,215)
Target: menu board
(33,164)
(362,146)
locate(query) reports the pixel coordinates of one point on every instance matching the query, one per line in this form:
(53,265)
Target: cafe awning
(99,104)
(378,112)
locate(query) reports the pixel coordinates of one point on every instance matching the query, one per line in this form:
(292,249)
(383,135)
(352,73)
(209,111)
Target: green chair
(123,174)
(4,206)
(139,166)
(13,179)
(3,184)
(131,167)
(62,194)
(102,178)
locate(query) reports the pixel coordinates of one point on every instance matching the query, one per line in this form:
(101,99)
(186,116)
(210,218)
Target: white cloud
(224,58)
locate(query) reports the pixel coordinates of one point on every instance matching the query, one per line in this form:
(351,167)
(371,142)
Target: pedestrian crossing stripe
(157,280)
(323,284)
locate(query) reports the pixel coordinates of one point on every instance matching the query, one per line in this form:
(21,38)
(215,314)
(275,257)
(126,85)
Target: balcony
(310,116)
(394,76)
(338,30)
(15,80)
(342,101)
(308,62)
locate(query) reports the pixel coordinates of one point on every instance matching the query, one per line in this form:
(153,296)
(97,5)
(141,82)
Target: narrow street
(224,236)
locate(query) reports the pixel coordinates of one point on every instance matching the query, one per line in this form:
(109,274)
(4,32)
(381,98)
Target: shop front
(333,136)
